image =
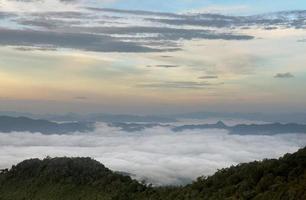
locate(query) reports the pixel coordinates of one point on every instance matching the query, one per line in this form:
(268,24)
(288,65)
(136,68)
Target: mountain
(277,117)
(240,129)
(218,125)
(125,118)
(267,129)
(94,117)
(134,127)
(24,124)
(87,179)
(66,179)
(282,179)
(249,129)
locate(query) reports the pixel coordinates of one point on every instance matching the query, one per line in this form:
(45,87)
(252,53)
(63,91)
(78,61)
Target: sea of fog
(157,155)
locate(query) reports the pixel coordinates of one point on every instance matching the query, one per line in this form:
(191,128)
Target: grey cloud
(70,30)
(164,66)
(165,36)
(35,48)
(164,33)
(46,23)
(105,30)
(41,23)
(295,19)
(100,38)
(7,15)
(24,48)
(179,85)
(195,22)
(209,77)
(270,28)
(135,12)
(63,15)
(87,42)
(284,75)
(216,20)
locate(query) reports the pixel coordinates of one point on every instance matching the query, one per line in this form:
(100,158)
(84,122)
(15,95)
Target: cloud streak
(209,77)
(284,75)
(164,66)
(82,41)
(180,85)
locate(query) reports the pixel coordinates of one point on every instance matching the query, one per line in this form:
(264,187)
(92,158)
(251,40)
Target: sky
(152,57)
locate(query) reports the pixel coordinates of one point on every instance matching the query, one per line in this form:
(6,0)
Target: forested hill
(66,179)
(87,179)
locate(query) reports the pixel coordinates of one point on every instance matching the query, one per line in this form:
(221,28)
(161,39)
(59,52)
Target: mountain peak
(221,124)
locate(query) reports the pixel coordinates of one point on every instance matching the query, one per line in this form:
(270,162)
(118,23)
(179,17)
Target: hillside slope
(87,179)
(282,179)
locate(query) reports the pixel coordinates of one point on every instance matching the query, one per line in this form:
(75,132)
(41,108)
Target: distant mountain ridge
(24,124)
(132,118)
(87,179)
(250,129)
(240,129)
(94,117)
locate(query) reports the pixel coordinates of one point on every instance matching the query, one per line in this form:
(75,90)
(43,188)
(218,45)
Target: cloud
(122,30)
(119,39)
(4,15)
(177,85)
(82,41)
(288,19)
(33,48)
(209,77)
(134,12)
(161,33)
(222,9)
(105,39)
(284,75)
(164,66)
(157,154)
